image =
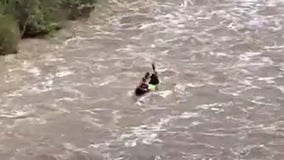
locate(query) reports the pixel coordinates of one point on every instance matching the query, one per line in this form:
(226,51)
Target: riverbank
(37,18)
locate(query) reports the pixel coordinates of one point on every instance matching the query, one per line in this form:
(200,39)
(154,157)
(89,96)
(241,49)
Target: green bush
(33,18)
(40,17)
(9,35)
(77,8)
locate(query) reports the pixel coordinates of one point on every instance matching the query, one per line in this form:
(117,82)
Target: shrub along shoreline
(36,18)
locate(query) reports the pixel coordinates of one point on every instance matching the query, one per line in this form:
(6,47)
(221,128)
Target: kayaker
(154,80)
(153,83)
(142,88)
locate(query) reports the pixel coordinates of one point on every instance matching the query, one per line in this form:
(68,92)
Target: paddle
(153,84)
(154,67)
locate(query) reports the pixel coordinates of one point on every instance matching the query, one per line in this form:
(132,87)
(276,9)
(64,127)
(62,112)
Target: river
(221,97)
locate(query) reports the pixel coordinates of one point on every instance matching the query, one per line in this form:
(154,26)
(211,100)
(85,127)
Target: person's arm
(144,87)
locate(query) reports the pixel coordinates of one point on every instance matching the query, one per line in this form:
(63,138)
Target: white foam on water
(77,93)
(269,80)
(281,88)
(54,59)
(274,47)
(35,71)
(72,147)
(148,96)
(15,94)
(64,73)
(159,41)
(163,94)
(180,88)
(108,80)
(98,100)
(116,116)
(248,55)
(195,84)
(214,106)
(17,114)
(196,123)
(146,134)
(264,102)
(93,121)
(36,90)
(68,99)
(188,115)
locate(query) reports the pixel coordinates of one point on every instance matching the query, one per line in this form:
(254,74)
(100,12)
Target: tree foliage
(32,18)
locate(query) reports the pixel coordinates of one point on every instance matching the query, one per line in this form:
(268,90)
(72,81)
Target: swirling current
(221,95)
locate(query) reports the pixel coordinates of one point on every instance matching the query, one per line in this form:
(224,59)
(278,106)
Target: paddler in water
(154,81)
(143,86)
(152,86)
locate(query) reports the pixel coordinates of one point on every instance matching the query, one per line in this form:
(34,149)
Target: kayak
(152,87)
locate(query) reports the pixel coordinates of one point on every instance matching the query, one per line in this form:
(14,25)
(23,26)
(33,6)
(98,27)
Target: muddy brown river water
(221,98)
